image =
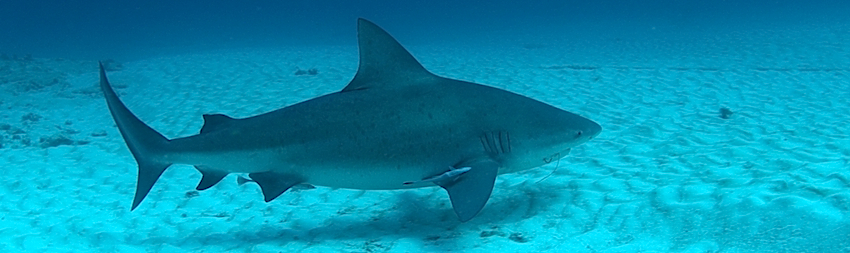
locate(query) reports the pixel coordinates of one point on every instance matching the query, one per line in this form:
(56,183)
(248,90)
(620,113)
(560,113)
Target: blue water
(137,29)
(669,173)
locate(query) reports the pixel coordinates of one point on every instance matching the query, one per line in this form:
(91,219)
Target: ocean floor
(737,143)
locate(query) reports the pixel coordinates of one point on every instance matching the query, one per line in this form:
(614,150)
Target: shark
(394,126)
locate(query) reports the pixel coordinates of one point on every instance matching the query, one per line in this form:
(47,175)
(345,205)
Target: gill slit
(496,142)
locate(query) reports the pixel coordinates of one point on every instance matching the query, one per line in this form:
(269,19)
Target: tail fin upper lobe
(146,144)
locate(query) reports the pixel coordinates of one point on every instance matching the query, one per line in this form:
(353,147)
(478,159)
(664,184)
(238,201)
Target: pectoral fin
(471,189)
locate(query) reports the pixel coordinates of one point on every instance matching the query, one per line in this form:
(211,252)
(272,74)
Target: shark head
(549,136)
(568,130)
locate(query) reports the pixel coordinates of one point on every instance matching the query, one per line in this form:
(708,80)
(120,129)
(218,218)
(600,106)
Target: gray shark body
(394,126)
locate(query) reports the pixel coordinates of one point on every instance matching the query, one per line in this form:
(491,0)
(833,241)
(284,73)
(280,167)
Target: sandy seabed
(668,173)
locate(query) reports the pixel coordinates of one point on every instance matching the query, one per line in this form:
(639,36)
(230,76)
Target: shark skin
(394,126)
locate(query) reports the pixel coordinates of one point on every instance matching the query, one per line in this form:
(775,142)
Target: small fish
(452,174)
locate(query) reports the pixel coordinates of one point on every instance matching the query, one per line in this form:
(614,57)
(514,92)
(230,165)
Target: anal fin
(209,177)
(273,184)
(243,180)
(470,191)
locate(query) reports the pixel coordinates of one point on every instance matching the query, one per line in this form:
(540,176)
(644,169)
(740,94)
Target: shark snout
(587,130)
(593,130)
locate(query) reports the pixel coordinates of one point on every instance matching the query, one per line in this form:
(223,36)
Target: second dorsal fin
(213,122)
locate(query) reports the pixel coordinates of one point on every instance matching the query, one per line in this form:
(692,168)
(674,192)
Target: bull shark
(394,126)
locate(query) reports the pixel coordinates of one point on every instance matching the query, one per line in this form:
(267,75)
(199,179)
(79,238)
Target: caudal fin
(146,144)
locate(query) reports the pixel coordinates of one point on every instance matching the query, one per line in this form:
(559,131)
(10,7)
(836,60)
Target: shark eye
(578,134)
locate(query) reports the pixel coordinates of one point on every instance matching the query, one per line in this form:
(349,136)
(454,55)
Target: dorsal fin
(214,121)
(383,61)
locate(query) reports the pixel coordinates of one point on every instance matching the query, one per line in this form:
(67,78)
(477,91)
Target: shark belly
(355,169)
(375,154)
(382,158)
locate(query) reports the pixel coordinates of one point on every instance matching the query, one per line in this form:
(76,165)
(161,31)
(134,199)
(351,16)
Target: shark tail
(146,144)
